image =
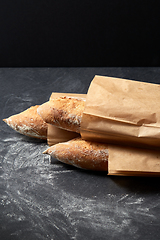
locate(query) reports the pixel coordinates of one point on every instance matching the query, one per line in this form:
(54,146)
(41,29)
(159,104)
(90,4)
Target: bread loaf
(63,112)
(28,123)
(81,154)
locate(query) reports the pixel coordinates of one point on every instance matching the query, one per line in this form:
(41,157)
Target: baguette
(28,123)
(82,154)
(63,112)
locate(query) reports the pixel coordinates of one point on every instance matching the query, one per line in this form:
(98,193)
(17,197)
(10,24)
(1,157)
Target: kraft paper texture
(122,111)
(131,161)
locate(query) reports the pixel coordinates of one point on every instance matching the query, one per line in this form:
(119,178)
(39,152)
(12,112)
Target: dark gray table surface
(44,200)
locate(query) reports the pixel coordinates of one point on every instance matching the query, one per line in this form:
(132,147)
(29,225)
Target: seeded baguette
(28,123)
(63,112)
(82,154)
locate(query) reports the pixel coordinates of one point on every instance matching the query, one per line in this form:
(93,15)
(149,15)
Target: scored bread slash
(82,154)
(63,112)
(28,123)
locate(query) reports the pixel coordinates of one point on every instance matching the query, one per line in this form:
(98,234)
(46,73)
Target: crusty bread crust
(63,112)
(28,123)
(81,154)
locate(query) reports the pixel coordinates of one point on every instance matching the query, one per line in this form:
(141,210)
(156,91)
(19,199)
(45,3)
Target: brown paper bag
(122,111)
(130,161)
(56,135)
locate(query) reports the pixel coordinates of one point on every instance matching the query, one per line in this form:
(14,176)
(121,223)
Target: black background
(79,33)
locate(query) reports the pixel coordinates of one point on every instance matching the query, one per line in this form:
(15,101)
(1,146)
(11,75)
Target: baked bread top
(63,112)
(28,123)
